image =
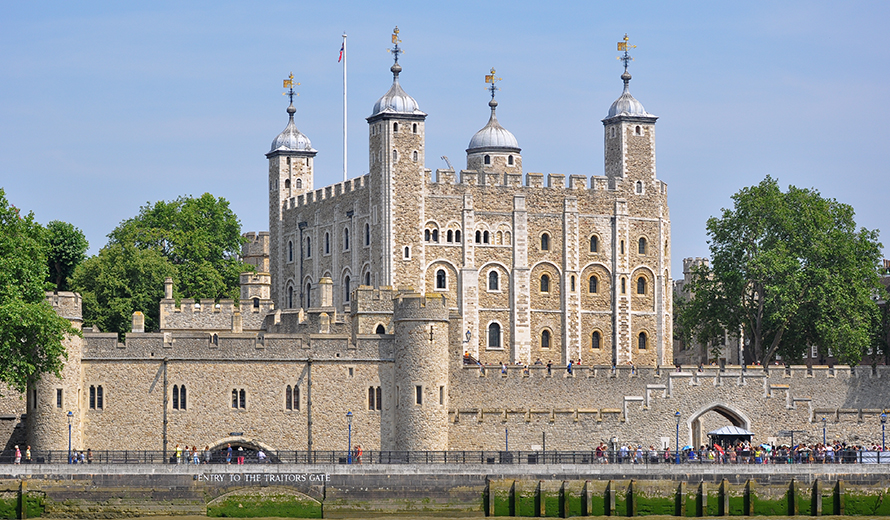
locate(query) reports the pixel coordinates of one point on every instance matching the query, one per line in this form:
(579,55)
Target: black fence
(252,456)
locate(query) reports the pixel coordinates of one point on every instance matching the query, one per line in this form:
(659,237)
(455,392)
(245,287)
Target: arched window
(175,397)
(346,239)
(287,184)
(449,237)
(622,247)
(395,127)
(487,159)
(493,280)
(478,237)
(572,284)
(395,156)
(485,237)
(414,128)
(367,234)
(256,303)
(327,243)
(641,341)
(641,285)
(545,338)
(641,248)
(623,285)
(308,295)
(288,398)
(639,187)
(308,247)
(593,285)
(594,244)
(457,236)
(234,398)
(299,184)
(100,398)
(415,155)
(407,252)
(545,283)
(379,394)
(368,278)
(440,279)
(290,297)
(638,131)
(380,329)
(494,335)
(426,235)
(595,340)
(296,398)
(371,400)
(545,242)
(290,251)
(242,399)
(436,236)
(510,160)
(346,289)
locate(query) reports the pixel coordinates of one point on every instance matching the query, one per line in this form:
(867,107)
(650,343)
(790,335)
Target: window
(287,184)
(367,234)
(346,239)
(346,289)
(308,247)
(418,395)
(478,237)
(593,285)
(290,297)
(545,283)
(368,278)
(440,279)
(436,236)
(414,128)
(441,395)
(58,397)
(179,397)
(545,338)
(494,335)
(308,295)
(641,248)
(96,397)
(395,156)
(292,398)
(290,251)
(594,244)
(492,280)
(327,243)
(427,235)
(641,341)
(415,156)
(379,398)
(638,130)
(510,160)
(595,340)
(487,159)
(622,247)
(407,253)
(623,285)
(256,305)
(639,187)
(239,398)
(485,237)
(299,183)
(380,329)
(572,283)
(375,398)
(545,242)
(641,285)
(395,127)
(457,236)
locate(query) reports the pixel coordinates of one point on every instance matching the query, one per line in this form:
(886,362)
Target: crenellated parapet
(327,193)
(531,180)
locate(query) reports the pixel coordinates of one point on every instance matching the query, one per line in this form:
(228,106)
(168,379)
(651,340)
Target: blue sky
(107,106)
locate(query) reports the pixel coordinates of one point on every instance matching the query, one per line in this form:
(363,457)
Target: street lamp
(823,431)
(677,453)
(349,437)
(70,414)
(883,438)
(506,440)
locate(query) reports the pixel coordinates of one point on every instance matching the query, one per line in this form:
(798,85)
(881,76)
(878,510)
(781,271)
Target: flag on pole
(342,48)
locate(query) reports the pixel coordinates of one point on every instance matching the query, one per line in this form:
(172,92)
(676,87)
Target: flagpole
(344,106)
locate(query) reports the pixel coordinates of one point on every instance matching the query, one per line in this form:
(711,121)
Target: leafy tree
(120,280)
(790,270)
(67,248)
(201,237)
(31,333)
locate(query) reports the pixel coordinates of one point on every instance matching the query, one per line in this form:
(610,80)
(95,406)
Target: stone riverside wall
(100,491)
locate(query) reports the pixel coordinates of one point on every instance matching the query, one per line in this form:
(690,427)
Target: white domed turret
(493,135)
(291,139)
(493,149)
(627,105)
(396,100)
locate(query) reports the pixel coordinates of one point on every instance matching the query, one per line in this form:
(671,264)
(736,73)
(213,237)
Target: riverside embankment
(112,491)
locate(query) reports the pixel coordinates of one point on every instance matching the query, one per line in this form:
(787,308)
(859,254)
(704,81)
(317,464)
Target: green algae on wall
(244,504)
(525,493)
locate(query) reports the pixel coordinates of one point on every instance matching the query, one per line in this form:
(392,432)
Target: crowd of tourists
(744,453)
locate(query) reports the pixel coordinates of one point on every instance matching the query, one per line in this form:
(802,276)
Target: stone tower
(290,175)
(421,372)
(50,399)
(396,135)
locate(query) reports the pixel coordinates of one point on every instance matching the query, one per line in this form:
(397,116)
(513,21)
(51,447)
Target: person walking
(228,454)
(28,455)
(18,455)
(178,452)
(207,454)
(261,456)
(240,455)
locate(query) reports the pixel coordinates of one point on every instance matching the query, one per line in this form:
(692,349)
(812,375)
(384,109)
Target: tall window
(478,237)
(545,338)
(449,237)
(292,398)
(368,278)
(96,397)
(290,251)
(346,289)
(641,341)
(327,243)
(492,280)
(641,249)
(308,247)
(299,183)
(346,239)
(414,128)
(510,160)
(487,159)
(290,297)
(239,398)
(308,295)
(440,279)
(545,242)
(641,285)
(418,395)
(594,244)
(623,285)
(494,335)
(595,339)
(375,398)
(639,187)
(436,236)
(367,234)
(457,236)
(593,284)
(415,156)
(485,237)
(573,283)
(545,283)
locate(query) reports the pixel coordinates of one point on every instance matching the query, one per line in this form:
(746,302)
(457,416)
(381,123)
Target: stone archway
(736,417)
(250,448)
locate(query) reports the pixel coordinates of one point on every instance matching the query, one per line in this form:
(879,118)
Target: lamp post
(70,414)
(883,438)
(677,453)
(823,431)
(349,437)
(506,440)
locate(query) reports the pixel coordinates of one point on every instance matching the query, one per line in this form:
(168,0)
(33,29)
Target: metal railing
(250,456)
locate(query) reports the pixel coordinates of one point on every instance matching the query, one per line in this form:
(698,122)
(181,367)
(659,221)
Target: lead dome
(291,139)
(396,100)
(493,136)
(626,104)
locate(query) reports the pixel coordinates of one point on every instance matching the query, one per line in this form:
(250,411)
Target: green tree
(201,237)
(120,280)
(31,333)
(790,270)
(67,248)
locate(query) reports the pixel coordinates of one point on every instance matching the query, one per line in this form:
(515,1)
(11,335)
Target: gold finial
(289,84)
(395,35)
(491,78)
(396,50)
(625,46)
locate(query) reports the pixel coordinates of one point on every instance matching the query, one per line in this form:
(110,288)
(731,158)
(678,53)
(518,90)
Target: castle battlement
(532,180)
(66,304)
(409,306)
(327,193)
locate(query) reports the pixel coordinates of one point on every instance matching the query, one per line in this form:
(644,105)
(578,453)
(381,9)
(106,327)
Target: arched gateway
(697,419)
